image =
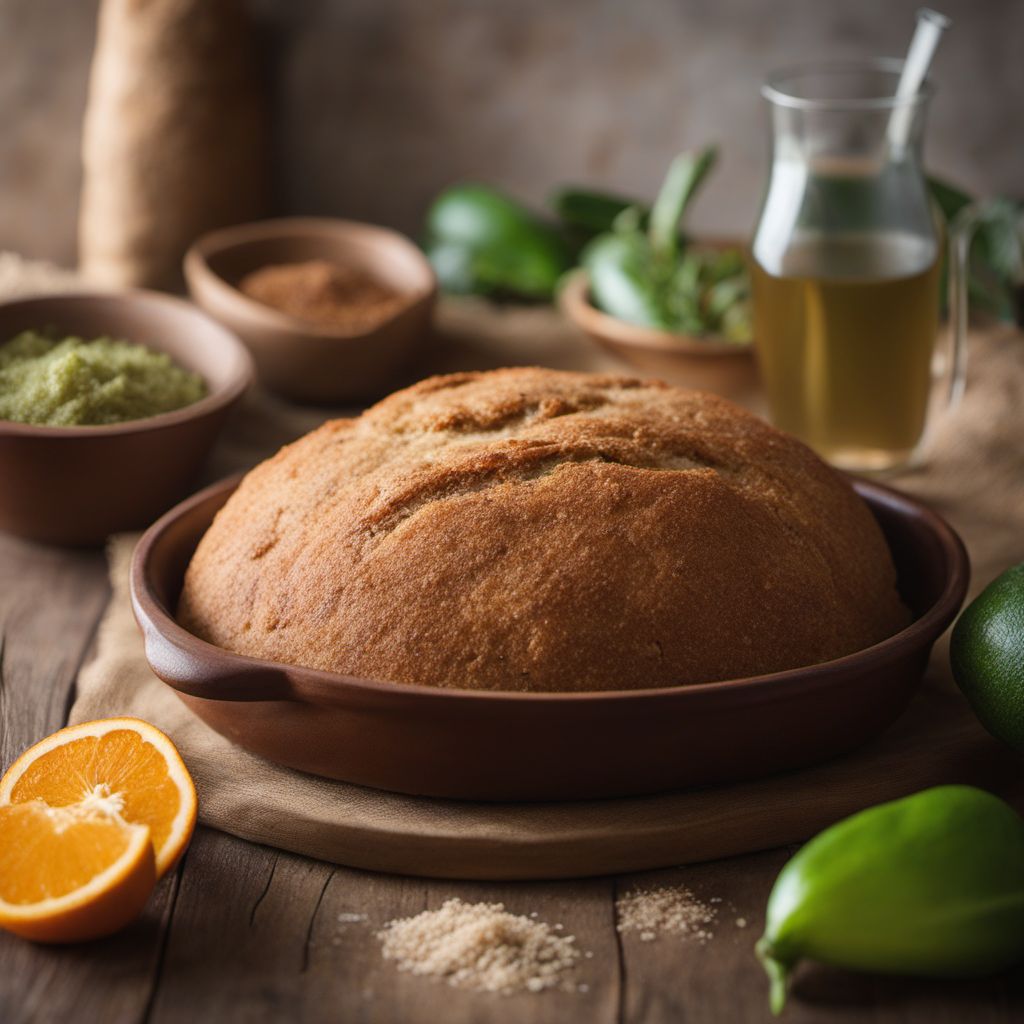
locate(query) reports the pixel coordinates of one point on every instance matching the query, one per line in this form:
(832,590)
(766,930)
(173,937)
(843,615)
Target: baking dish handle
(195,669)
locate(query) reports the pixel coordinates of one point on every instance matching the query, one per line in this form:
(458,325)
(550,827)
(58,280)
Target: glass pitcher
(847,258)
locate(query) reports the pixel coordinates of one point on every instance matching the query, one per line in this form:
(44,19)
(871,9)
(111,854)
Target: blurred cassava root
(173,136)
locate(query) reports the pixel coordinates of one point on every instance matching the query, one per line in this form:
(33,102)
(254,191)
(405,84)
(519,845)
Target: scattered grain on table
(349,917)
(345,919)
(482,947)
(665,910)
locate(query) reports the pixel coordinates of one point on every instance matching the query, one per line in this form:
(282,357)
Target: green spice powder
(69,382)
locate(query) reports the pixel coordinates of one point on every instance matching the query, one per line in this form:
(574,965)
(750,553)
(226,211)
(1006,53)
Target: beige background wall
(378,103)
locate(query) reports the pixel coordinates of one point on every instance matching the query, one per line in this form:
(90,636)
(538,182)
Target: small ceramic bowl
(549,746)
(77,485)
(721,367)
(298,359)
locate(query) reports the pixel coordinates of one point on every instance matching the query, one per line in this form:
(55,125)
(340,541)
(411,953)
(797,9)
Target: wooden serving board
(937,741)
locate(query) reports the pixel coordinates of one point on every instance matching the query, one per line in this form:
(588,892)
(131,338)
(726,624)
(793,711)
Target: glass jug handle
(961,234)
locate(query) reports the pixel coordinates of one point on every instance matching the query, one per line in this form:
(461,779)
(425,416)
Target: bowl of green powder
(56,381)
(109,404)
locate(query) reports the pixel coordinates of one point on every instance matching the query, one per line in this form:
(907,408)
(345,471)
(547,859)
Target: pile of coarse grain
(670,910)
(481,946)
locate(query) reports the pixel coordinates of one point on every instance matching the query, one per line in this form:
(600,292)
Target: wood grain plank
(50,603)
(236,948)
(389,996)
(259,933)
(674,979)
(108,980)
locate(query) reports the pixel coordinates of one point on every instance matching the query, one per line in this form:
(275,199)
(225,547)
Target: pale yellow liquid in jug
(845,338)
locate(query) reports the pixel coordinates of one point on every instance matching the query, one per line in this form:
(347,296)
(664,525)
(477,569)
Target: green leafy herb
(643,268)
(684,177)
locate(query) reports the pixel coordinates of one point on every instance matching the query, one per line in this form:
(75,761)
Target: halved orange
(68,874)
(122,767)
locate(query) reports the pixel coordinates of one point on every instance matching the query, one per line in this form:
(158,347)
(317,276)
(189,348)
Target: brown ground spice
(324,293)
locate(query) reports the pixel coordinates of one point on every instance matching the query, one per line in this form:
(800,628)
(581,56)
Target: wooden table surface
(240,932)
(244,933)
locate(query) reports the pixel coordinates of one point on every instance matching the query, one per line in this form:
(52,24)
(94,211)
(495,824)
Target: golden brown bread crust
(527,529)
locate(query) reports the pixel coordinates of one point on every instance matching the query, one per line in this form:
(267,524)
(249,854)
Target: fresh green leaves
(1000,222)
(644,271)
(685,174)
(642,267)
(623,273)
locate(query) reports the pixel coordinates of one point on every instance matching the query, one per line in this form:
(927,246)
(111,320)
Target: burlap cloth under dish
(975,477)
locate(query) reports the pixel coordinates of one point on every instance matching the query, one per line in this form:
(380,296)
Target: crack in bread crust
(531,529)
(512,465)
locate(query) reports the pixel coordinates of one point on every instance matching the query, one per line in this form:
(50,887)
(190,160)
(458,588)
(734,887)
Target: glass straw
(930,26)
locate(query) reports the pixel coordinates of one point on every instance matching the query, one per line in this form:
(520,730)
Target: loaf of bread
(527,529)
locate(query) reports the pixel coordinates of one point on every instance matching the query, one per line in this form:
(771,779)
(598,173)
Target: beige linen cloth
(975,477)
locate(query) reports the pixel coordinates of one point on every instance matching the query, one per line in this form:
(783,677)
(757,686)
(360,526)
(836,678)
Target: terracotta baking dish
(77,485)
(515,746)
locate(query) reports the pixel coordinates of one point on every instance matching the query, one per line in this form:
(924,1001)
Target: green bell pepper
(930,885)
(479,240)
(589,212)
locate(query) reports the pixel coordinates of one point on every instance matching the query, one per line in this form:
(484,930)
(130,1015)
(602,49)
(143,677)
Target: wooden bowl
(300,360)
(548,746)
(77,485)
(721,367)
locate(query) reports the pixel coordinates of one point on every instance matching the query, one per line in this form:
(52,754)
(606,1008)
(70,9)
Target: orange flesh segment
(119,767)
(49,852)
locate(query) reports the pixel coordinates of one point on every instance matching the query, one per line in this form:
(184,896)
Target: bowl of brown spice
(332,310)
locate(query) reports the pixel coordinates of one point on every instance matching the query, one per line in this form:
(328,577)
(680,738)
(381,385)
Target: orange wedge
(68,874)
(119,767)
